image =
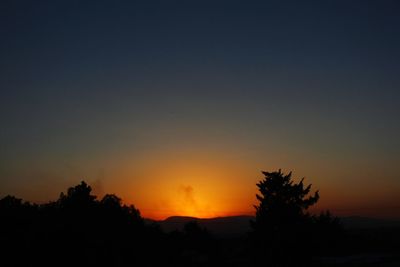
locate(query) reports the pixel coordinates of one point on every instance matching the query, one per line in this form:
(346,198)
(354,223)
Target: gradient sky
(176,106)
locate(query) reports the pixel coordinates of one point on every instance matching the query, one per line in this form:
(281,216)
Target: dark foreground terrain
(367,241)
(80,230)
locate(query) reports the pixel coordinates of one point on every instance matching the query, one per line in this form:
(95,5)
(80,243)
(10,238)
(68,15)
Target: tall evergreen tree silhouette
(282,223)
(281,201)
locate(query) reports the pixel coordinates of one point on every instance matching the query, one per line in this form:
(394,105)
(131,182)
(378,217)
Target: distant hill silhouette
(366,222)
(232,226)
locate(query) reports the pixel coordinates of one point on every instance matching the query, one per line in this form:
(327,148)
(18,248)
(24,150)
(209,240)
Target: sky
(177,106)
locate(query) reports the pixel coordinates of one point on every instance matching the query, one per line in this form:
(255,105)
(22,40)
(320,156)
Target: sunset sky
(177,106)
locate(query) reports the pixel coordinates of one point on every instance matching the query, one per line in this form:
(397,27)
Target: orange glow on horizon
(214,184)
(201,186)
(199,199)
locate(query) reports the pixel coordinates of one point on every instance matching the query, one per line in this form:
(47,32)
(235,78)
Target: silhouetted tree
(282,223)
(328,233)
(77,197)
(198,246)
(16,219)
(111,201)
(197,235)
(82,230)
(281,201)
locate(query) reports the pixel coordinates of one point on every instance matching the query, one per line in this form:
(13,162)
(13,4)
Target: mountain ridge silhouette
(230,226)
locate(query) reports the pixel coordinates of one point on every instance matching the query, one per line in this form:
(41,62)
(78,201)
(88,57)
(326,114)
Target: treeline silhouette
(80,230)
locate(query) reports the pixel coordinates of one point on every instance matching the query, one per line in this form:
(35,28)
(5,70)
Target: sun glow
(200,195)
(195,187)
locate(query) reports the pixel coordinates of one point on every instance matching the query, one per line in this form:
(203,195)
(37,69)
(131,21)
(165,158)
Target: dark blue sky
(88,88)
